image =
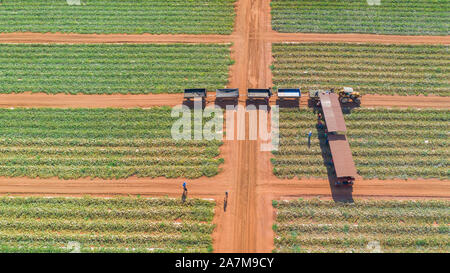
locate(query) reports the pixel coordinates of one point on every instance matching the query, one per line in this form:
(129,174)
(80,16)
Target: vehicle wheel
(344,100)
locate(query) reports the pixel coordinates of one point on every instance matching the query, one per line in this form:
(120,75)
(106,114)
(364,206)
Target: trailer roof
(342,156)
(227,93)
(289,93)
(332,112)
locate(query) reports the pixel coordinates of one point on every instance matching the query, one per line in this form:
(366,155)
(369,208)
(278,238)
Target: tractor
(347,95)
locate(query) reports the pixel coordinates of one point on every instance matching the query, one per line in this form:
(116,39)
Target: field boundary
(269,36)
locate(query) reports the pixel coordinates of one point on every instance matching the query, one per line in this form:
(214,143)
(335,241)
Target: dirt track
(129,101)
(353,38)
(246,226)
(267,35)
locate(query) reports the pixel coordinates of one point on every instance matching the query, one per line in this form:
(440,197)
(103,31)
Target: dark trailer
(255,94)
(195,93)
(342,159)
(227,94)
(289,93)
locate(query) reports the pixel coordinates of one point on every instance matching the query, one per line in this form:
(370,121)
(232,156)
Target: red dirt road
(29,99)
(37,100)
(276,37)
(267,35)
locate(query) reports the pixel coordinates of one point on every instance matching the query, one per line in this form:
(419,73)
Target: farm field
(393,226)
(118,16)
(401,17)
(103,143)
(108,69)
(385,143)
(86,115)
(368,68)
(37,224)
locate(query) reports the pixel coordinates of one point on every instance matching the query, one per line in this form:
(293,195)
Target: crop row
(39,224)
(362,226)
(384,143)
(118,16)
(403,17)
(375,69)
(107,69)
(104,143)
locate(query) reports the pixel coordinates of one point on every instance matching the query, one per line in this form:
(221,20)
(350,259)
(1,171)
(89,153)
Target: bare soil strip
(276,37)
(266,35)
(88,101)
(38,100)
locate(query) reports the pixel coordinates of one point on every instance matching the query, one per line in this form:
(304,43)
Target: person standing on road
(184,187)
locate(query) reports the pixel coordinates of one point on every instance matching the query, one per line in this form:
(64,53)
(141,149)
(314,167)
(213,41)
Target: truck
(195,93)
(289,93)
(227,94)
(255,94)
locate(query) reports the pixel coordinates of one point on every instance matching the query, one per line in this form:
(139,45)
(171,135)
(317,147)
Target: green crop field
(118,16)
(39,224)
(104,143)
(107,69)
(368,68)
(402,17)
(385,143)
(363,226)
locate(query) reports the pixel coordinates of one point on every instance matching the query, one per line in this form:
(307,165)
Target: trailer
(256,94)
(289,93)
(342,160)
(195,93)
(332,112)
(227,94)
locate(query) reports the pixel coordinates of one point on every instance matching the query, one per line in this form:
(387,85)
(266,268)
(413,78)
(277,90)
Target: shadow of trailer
(254,95)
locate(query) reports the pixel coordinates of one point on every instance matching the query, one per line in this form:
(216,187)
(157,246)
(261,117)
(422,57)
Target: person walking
(309,139)
(184,195)
(225,202)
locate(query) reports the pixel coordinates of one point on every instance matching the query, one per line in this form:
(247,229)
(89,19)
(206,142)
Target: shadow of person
(184,196)
(225,204)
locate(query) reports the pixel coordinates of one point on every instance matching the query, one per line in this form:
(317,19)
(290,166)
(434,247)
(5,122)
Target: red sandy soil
(353,38)
(246,226)
(38,100)
(266,35)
